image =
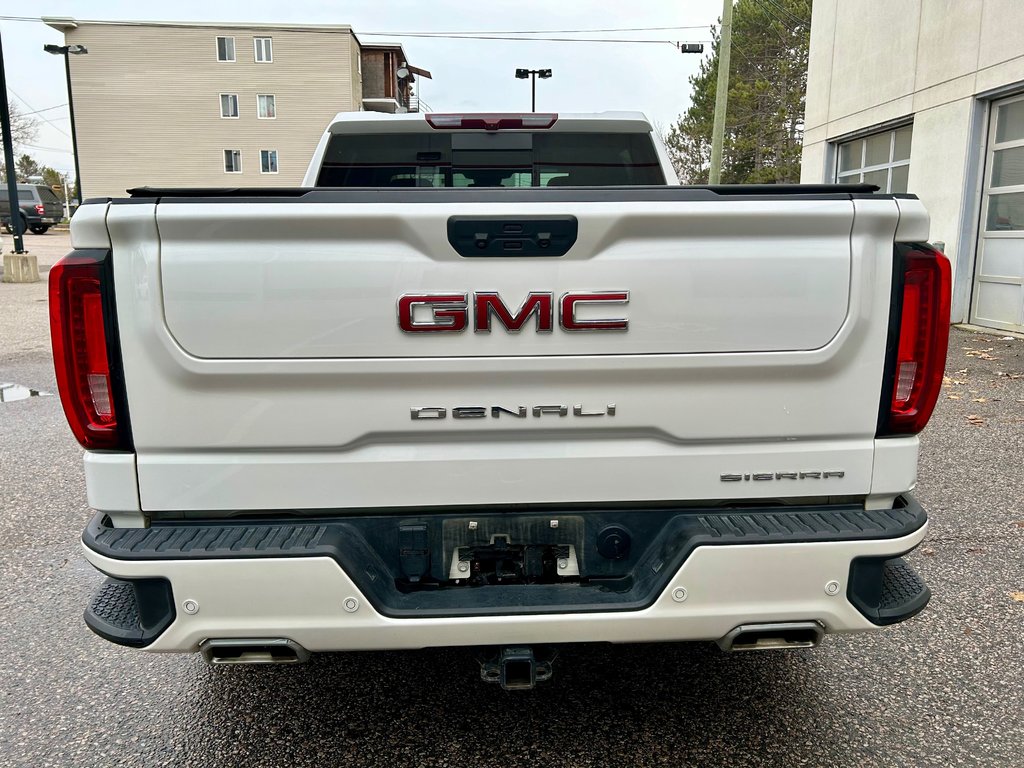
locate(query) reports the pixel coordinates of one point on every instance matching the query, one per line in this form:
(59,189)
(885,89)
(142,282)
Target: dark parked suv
(40,208)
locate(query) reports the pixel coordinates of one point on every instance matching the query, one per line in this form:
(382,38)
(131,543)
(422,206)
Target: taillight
(924,295)
(80,307)
(40,209)
(493,122)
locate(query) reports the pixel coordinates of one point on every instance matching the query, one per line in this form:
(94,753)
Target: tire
(39,229)
(10,230)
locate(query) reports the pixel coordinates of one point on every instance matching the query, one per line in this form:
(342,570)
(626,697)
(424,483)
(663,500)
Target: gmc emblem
(450,312)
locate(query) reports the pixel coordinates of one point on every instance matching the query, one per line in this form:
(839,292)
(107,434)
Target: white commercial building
(927,97)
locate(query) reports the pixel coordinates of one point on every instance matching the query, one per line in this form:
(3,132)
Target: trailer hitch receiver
(516,669)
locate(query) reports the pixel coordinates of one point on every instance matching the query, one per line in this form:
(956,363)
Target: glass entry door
(998,297)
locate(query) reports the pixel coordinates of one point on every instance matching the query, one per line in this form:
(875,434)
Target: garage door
(998,300)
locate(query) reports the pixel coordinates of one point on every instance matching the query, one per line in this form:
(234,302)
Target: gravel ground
(942,690)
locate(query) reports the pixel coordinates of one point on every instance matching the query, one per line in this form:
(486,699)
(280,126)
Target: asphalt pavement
(945,689)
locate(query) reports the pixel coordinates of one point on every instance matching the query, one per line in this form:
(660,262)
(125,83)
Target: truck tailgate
(322,280)
(266,369)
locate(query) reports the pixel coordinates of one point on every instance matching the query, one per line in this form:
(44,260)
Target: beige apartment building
(218,105)
(927,97)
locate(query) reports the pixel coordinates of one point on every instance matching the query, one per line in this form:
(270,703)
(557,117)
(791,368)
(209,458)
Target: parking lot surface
(47,248)
(944,689)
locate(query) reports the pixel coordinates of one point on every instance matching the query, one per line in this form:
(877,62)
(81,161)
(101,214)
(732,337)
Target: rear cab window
(490,159)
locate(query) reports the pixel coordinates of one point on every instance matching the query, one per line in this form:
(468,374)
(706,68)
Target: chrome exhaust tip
(787,635)
(244,650)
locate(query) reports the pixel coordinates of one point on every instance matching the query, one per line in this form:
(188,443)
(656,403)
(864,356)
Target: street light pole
(74,132)
(65,50)
(533,74)
(12,178)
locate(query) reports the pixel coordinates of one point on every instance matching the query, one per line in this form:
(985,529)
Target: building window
(266,106)
(232,161)
(264,49)
(882,159)
(225,49)
(229,105)
(268,161)
(1005,191)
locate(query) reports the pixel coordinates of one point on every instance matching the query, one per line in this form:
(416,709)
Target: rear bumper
(320,595)
(33,219)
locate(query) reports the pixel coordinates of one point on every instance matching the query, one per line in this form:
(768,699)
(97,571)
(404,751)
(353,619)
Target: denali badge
(762,476)
(450,312)
(517,412)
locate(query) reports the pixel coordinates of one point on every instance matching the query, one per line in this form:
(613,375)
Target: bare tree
(23,127)
(23,130)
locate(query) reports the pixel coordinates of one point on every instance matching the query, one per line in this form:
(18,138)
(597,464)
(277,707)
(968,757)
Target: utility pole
(721,94)
(12,176)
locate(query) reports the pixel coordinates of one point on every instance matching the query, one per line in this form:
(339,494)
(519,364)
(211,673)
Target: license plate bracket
(513,550)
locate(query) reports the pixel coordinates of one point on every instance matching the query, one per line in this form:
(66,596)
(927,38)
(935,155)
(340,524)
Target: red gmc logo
(450,312)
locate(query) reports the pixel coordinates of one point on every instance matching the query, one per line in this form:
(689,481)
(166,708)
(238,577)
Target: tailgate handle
(485,236)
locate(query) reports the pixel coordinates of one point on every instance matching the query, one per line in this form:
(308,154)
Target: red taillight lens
(40,209)
(495,122)
(80,353)
(923,338)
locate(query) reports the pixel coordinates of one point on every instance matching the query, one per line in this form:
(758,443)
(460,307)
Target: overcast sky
(469,75)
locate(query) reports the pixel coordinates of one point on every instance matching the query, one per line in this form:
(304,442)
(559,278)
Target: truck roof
(411,122)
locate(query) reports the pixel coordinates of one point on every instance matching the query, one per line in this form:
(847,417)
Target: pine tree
(26,168)
(767,84)
(55,180)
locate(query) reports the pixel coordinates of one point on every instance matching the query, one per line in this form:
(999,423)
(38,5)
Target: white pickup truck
(498,380)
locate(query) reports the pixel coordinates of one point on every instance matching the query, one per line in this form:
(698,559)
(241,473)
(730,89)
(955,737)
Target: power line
(525,39)
(766,78)
(539,31)
(771,15)
(402,34)
(786,12)
(793,19)
(48,149)
(511,37)
(36,112)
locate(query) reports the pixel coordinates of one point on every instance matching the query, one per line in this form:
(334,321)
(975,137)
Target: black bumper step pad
(887,590)
(405,581)
(277,537)
(131,613)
